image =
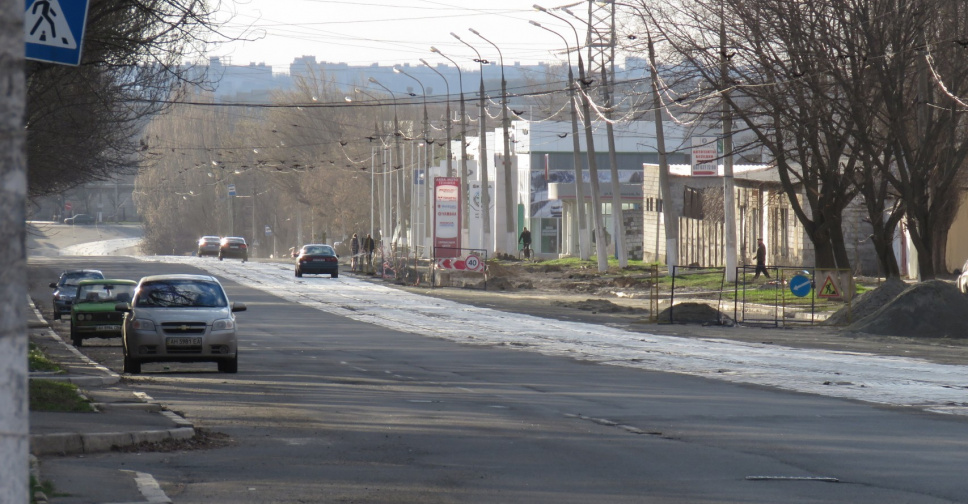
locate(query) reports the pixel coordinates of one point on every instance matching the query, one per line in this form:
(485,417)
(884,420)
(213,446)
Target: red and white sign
(68,206)
(447,204)
(470,263)
(705,153)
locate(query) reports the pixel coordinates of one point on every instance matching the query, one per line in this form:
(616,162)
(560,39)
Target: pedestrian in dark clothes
(760,259)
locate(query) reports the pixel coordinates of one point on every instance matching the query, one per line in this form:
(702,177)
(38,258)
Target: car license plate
(319,260)
(183,341)
(108,328)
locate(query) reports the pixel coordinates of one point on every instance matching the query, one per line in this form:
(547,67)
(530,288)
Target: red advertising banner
(447,204)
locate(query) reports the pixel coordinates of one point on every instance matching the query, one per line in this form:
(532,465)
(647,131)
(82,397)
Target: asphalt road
(327,409)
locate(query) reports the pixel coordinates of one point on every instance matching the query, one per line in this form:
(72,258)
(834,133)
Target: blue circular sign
(800,285)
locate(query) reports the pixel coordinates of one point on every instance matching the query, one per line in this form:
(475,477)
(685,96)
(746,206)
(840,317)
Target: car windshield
(181,294)
(72,279)
(101,293)
(320,250)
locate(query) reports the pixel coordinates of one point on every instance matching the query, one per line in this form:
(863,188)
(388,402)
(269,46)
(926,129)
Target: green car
(93,313)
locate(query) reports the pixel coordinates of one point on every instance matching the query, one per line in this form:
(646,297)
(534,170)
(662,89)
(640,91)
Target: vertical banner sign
(447,206)
(54,30)
(704,157)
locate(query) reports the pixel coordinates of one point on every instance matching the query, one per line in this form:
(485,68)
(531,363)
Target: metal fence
(792,295)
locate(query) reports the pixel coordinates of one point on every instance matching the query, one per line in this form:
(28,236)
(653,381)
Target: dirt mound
(868,302)
(932,309)
(693,313)
(597,306)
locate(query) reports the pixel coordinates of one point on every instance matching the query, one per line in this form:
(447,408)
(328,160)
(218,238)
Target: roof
(178,276)
(96,281)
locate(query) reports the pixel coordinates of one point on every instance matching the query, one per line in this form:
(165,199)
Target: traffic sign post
(54,32)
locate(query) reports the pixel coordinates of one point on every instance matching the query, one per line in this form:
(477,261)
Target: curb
(74,443)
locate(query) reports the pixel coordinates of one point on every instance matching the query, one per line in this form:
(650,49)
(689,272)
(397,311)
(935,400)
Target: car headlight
(143,325)
(223,325)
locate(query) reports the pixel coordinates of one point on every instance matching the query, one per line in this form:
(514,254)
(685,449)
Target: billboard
(447,205)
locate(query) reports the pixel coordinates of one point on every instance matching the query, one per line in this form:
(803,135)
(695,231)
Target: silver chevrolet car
(180,318)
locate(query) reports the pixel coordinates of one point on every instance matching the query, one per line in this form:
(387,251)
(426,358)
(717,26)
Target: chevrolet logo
(183,327)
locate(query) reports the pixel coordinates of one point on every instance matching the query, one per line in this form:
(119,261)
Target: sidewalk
(124,417)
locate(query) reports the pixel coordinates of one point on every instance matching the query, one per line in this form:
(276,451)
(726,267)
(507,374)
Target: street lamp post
(482,164)
(372,170)
(426,141)
(463,143)
(599,231)
(399,157)
(509,203)
(582,234)
(450,164)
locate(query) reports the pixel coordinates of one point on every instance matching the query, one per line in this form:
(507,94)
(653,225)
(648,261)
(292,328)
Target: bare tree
(83,122)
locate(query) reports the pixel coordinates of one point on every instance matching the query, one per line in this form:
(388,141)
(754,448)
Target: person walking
(368,247)
(355,249)
(760,259)
(525,239)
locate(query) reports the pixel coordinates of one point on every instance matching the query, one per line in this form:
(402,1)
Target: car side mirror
(238,306)
(53,285)
(122,307)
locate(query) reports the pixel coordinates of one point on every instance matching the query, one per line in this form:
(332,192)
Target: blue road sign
(800,285)
(54,32)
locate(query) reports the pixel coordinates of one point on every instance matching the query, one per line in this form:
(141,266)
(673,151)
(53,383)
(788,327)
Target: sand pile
(868,303)
(693,313)
(932,309)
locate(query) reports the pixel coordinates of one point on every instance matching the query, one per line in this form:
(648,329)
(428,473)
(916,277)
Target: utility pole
(582,235)
(670,223)
(601,36)
(14,420)
(482,163)
(729,193)
(465,196)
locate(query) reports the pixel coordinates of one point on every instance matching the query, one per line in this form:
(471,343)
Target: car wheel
(334,275)
(130,365)
(76,339)
(229,366)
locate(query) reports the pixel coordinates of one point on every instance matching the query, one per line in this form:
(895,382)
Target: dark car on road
(65,288)
(80,219)
(179,318)
(209,246)
(317,259)
(233,246)
(93,313)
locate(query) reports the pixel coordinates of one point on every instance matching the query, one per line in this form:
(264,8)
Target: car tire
(229,366)
(76,339)
(298,273)
(334,275)
(56,314)
(131,365)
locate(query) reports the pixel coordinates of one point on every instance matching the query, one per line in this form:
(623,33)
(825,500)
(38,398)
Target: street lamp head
(347,99)
(397,70)
(373,80)
(535,23)
(539,8)
(452,34)
(475,32)
(434,50)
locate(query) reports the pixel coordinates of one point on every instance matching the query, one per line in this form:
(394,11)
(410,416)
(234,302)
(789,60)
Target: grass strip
(37,361)
(50,395)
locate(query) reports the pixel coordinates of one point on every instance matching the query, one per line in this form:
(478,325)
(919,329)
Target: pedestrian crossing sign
(829,289)
(54,30)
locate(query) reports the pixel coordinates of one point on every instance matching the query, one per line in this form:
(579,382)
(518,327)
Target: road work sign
(54,32)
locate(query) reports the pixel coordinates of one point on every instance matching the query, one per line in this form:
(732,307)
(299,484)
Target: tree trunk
(14,428)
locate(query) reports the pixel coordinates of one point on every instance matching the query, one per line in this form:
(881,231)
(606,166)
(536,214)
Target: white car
(180,318)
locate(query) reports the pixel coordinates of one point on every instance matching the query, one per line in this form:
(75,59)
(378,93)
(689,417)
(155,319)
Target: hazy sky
(391,31)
